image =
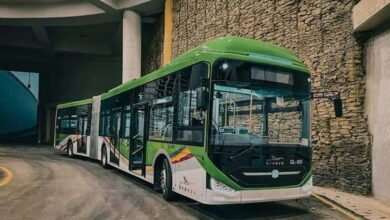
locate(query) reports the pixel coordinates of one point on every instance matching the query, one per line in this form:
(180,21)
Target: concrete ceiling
(34,1)
(101,39)
(72,12)
(35,33)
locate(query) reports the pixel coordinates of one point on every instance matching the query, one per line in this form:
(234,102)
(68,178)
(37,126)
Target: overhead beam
(368,14)
(43,39)
(41,35)
(103,6)
(18,37)
(9,55)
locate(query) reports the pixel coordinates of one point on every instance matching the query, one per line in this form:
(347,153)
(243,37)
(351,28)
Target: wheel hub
(163,183)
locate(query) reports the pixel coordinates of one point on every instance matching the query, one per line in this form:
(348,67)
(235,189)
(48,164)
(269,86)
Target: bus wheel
(104,158)
(70,149)
(166,181)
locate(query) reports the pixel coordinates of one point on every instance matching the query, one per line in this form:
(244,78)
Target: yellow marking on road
(7,178)
(331,204)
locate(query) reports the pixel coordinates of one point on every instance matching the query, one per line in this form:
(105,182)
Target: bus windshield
(259,109)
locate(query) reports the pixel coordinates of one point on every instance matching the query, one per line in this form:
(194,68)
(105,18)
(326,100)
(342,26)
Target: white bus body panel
(189,179)
(257,196)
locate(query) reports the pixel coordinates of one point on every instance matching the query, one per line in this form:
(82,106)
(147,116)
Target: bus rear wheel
(104,158)
(166,181)
(70,149)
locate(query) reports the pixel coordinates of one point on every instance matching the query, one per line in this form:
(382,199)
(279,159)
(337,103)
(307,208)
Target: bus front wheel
(166,181)
(104,158)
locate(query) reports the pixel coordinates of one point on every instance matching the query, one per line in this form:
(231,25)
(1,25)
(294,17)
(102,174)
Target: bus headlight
(220,187)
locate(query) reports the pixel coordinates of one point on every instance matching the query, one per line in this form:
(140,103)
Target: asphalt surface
(48,185)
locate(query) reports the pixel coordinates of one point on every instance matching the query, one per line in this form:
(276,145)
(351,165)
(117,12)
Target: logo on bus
(274,161)
(185,186)
(275,174)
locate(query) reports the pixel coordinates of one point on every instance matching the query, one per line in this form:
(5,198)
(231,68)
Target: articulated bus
(224,123)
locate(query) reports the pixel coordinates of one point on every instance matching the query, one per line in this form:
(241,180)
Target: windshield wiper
(244,151)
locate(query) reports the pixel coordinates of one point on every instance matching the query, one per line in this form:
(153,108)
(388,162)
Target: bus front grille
(268,176)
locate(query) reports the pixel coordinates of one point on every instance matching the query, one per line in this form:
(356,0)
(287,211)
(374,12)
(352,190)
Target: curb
(351,214)
(5,176)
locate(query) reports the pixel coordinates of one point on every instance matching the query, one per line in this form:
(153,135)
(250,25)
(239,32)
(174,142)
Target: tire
(166,181)
(103,160)
(70,149)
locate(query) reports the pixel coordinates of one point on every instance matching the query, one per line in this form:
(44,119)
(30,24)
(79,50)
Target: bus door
(115,136)
(138,138)
(82,134)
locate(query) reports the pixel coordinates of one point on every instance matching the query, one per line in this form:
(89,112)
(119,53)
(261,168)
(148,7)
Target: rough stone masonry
(320,33)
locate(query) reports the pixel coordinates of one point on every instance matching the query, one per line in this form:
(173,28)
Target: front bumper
(256,196)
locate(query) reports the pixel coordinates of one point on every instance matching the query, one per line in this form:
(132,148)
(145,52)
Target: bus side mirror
(202,99)
(338,107)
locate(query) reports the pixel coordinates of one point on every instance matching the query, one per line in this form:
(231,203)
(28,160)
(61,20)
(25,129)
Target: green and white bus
(227,122)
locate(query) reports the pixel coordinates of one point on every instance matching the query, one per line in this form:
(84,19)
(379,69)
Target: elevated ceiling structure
(80,47)
(34,31)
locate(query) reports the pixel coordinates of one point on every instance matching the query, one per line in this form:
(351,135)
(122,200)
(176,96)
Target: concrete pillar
(131,47)
(377,109)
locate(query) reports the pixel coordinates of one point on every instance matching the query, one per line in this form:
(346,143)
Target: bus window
(73,121)
(65,122)
(161,115)
(58,122)
(190,120)
(105,123)
(161,119)
(126,124)
(107,128)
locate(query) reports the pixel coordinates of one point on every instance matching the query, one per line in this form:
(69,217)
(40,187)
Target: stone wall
(320,33)
(152,45)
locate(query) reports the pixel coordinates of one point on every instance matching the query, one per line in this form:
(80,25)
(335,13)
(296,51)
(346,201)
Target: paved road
(48,185)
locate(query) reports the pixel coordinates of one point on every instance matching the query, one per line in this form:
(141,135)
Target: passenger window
(161,115)
(127,121)
(190,119)
(58,124)
(161,123)
(105,123)
(73,121)
(107,130)
(146,93)
(65,122)
(101,128)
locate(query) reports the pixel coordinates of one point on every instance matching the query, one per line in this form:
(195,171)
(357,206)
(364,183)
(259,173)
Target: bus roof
(239,47)
(75,103)
(224,47)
